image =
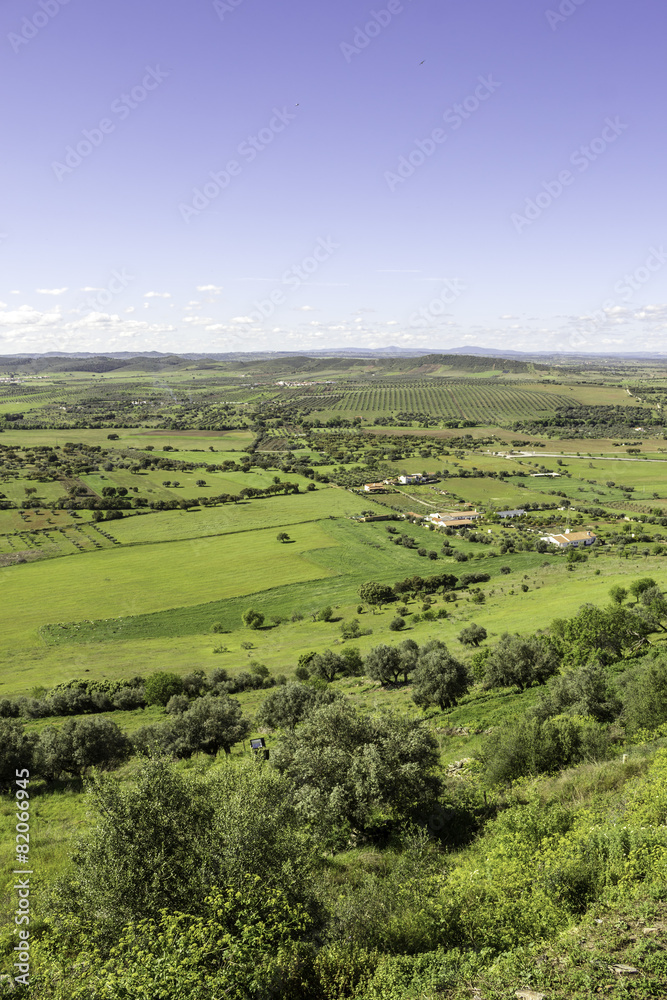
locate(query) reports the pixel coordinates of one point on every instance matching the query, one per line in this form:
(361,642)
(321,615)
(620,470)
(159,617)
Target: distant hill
(388,359)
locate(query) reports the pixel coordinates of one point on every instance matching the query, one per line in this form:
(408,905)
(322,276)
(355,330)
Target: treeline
(89,697)
(592,421)
(210,724)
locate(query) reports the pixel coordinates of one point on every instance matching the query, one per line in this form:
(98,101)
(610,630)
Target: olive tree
(344,768)
(440,679)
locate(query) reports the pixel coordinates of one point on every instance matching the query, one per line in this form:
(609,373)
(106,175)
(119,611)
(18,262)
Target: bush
(16,751)
(469,578)
(583,692)
(645,695)
(351,629)
(126,699)
(160,687)
(531,747)
(325,615)
(505,570)
(252,619)
(177,704)
(396,624)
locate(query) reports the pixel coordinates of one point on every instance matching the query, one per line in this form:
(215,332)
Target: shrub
(351,629)
(396,624)
(177,704)
(530,747)
(252,619)
(160,687)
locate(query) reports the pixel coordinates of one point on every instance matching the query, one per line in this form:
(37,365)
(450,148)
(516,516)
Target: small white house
(571,539)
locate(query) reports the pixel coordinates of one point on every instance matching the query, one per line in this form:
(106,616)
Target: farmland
(207,521)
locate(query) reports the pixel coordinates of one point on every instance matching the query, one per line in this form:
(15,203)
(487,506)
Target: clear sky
(223,175)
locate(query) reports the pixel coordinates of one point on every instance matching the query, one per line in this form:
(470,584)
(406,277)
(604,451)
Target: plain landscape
(429,589)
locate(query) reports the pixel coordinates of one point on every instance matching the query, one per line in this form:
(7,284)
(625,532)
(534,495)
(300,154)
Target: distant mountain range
(553,357)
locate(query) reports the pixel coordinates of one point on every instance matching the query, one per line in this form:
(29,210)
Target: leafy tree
(344,767)
(211,724)
(326,665)
(521,661)
(439,679)
(618,594)
(653,607)
(472,635)
(376,594)
(160,687)
(383,664)
(645,695)
(282,536)
(291,703)
(16,751)
(353,661)
(150,849)
(409,651)
(637,587)
(585,691)
(603,634)
(79,745)
(396,624)
(326,614)
(194,683)
(252,619)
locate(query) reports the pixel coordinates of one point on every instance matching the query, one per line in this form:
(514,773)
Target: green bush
(160,687)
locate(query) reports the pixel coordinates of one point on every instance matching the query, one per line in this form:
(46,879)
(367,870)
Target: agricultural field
(210,524)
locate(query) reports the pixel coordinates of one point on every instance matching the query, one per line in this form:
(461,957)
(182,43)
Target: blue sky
(232,175)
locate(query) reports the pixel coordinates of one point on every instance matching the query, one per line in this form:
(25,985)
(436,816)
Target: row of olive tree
(210,724)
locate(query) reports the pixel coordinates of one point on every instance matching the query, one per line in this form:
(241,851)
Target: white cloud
(157,295)
(304,308)
(216,289)
(241,319)
(29,317)
(197,320)
(89,288)
(50,291)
